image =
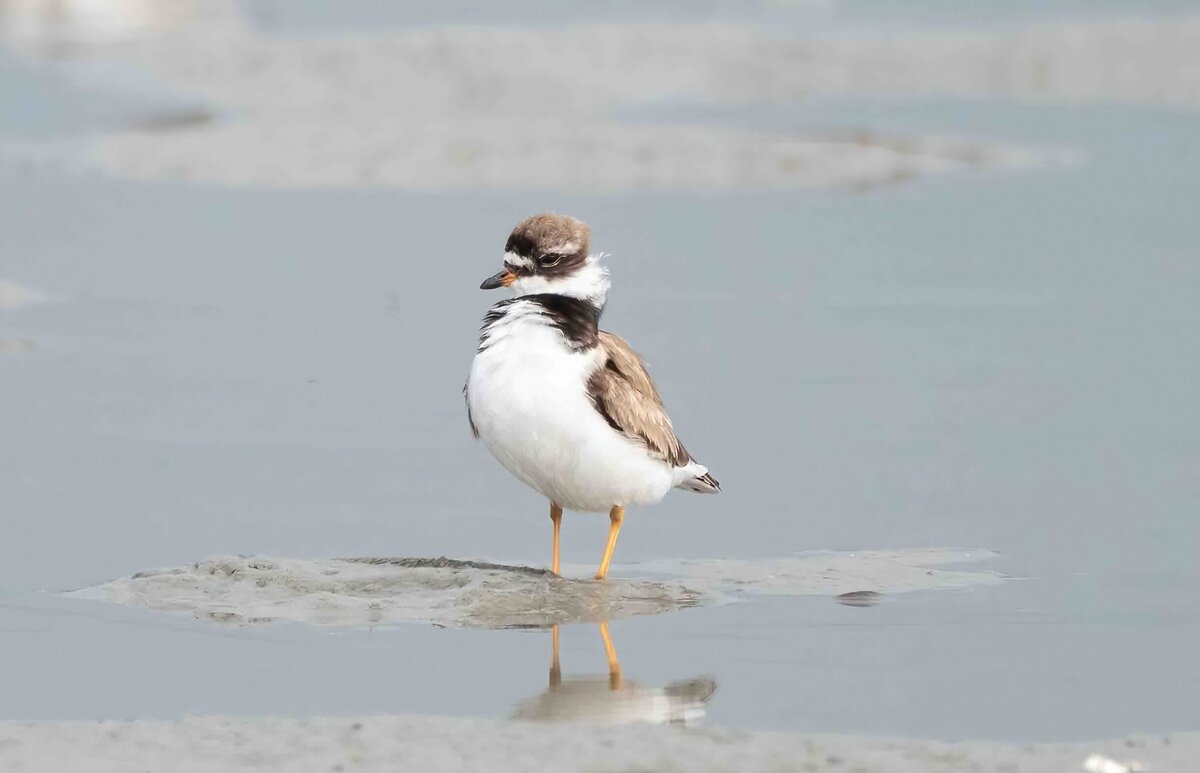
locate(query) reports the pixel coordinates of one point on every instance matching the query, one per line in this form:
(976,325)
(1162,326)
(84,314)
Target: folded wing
(626,397)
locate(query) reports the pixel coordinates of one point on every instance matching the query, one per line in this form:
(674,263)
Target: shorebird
(567,408)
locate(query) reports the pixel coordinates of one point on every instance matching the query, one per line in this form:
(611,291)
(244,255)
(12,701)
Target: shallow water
(1000,363)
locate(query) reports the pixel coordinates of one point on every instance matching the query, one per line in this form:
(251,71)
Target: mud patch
(369,592)
(834,573)
(357,592)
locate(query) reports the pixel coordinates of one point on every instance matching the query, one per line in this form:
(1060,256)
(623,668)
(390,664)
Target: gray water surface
(1004,363)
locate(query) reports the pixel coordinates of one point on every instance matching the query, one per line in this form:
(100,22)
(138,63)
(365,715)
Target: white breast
(527,394)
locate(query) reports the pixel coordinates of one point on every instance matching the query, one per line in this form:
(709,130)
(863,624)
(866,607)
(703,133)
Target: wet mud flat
(389,743)
(368,592)
(242,108)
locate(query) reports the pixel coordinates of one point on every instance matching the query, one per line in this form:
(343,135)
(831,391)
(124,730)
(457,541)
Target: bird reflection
(614,700)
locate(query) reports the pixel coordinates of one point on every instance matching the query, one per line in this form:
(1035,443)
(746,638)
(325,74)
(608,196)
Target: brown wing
(624,394)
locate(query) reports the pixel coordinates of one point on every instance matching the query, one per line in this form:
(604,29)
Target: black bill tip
(494,281)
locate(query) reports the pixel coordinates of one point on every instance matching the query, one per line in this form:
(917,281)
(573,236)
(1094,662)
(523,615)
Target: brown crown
(548,233)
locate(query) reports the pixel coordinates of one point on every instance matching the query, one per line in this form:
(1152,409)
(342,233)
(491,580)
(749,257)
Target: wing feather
(625,395)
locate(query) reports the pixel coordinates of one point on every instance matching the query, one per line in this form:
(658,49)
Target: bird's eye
(549,261)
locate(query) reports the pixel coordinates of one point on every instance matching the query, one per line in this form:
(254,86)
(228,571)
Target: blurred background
(909,274)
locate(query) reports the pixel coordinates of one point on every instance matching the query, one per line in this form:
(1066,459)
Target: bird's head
(549,254)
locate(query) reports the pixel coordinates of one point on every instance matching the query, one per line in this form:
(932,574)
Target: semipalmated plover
(567,408)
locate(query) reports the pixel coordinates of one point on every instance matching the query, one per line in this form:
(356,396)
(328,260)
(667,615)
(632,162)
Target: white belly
(528,399)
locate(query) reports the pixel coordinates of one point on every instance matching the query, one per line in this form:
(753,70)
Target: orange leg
(614,668)
(555,669)
(615,516)
(556,517)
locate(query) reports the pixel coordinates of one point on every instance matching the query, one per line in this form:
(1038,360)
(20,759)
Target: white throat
(589,283)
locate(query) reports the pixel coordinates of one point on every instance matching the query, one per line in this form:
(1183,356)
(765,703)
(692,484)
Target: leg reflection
(613,700)
(555,669)
(614,667)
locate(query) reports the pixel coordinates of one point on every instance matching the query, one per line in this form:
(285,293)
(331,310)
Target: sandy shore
(427,108)
(432,108)
(393,743)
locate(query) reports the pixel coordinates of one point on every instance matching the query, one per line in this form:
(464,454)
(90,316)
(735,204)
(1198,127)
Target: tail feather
(701,484)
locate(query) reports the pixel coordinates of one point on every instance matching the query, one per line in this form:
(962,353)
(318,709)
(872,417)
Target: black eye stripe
(550,259)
